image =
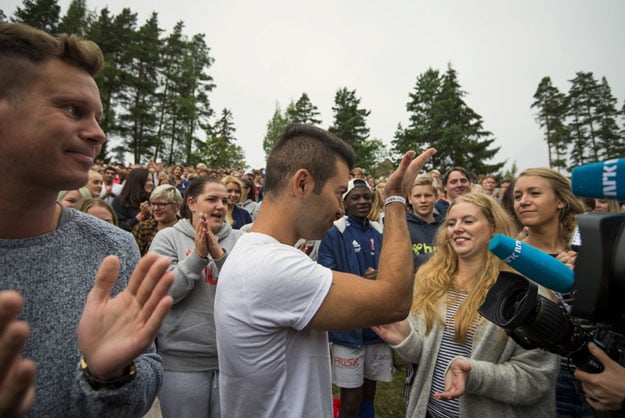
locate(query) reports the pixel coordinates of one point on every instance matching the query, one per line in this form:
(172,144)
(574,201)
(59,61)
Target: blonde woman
(165,202)
(236,216)
(546,206)
(447,339)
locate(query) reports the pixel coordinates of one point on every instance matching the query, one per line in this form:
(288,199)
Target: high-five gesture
(400,181)
(114,331)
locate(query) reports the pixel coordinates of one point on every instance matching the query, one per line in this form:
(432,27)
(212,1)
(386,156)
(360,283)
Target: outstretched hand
(401,180)
(17,375)
(455,380)
(113,332)
(393,333)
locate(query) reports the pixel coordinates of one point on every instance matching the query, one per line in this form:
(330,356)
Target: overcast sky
(269,52)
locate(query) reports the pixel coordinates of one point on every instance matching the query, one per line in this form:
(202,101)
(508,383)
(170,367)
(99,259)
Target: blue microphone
(534,264)
(604,180)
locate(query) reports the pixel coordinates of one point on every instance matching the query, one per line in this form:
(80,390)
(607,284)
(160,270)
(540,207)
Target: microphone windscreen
(604,180)
(531,262)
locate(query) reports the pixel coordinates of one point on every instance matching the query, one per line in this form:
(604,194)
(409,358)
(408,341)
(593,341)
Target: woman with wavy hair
(465,365)
(546,206)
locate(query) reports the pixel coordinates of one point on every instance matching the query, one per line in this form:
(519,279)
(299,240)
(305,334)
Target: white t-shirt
(270,363)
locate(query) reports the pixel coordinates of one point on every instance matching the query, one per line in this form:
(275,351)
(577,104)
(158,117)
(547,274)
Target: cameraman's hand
(604,391)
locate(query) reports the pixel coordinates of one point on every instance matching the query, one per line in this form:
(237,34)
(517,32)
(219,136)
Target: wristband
(392,199)
(129,374)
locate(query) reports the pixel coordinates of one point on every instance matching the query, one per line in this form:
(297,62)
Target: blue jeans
(570,402)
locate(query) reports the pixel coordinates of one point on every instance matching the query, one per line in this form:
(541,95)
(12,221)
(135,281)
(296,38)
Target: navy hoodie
(351,246)
(422,236)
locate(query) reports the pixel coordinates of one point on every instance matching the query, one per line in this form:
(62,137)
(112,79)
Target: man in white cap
(359,357)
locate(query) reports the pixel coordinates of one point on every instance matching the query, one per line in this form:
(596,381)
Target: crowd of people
(241,294)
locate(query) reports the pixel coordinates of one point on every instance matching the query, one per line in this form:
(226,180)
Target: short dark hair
(459,169)
(305,146)
(22,47)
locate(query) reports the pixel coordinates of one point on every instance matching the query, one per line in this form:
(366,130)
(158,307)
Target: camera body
(535,321)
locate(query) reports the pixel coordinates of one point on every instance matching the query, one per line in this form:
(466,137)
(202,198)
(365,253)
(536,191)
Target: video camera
(598,310)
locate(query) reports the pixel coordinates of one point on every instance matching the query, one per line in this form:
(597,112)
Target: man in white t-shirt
(274,305)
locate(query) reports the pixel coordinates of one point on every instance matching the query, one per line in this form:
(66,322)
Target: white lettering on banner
(515,253)
(609,178)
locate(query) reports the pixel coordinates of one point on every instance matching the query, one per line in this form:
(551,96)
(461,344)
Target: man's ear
(302,182)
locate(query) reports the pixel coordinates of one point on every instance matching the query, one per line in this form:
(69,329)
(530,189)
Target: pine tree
(275,126)
(200,83)
(440,118)
(584,122)
(221,150)
(303,111)
(551,106)
(77,19)
(224,127)
(350,124)
(610,141)
(142,60)
(108,31)
(41,14)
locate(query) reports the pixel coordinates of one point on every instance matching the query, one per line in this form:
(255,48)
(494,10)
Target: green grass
(389,397)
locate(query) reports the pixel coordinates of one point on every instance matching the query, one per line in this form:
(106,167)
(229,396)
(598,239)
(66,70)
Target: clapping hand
(113,332)
(17,375)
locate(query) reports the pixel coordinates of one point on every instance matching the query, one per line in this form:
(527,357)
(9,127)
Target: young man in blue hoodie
(359,357)
(423,219)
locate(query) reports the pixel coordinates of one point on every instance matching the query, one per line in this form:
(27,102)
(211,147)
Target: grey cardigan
(506,380)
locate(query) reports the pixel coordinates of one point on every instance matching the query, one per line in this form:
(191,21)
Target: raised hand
(113,332)
(401,180)
(17,375)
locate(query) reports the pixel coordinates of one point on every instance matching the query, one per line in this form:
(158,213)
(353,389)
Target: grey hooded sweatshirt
(186,340)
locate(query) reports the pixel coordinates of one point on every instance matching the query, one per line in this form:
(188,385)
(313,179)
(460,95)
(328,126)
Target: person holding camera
(466,365)
(546,206)
(604,391)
